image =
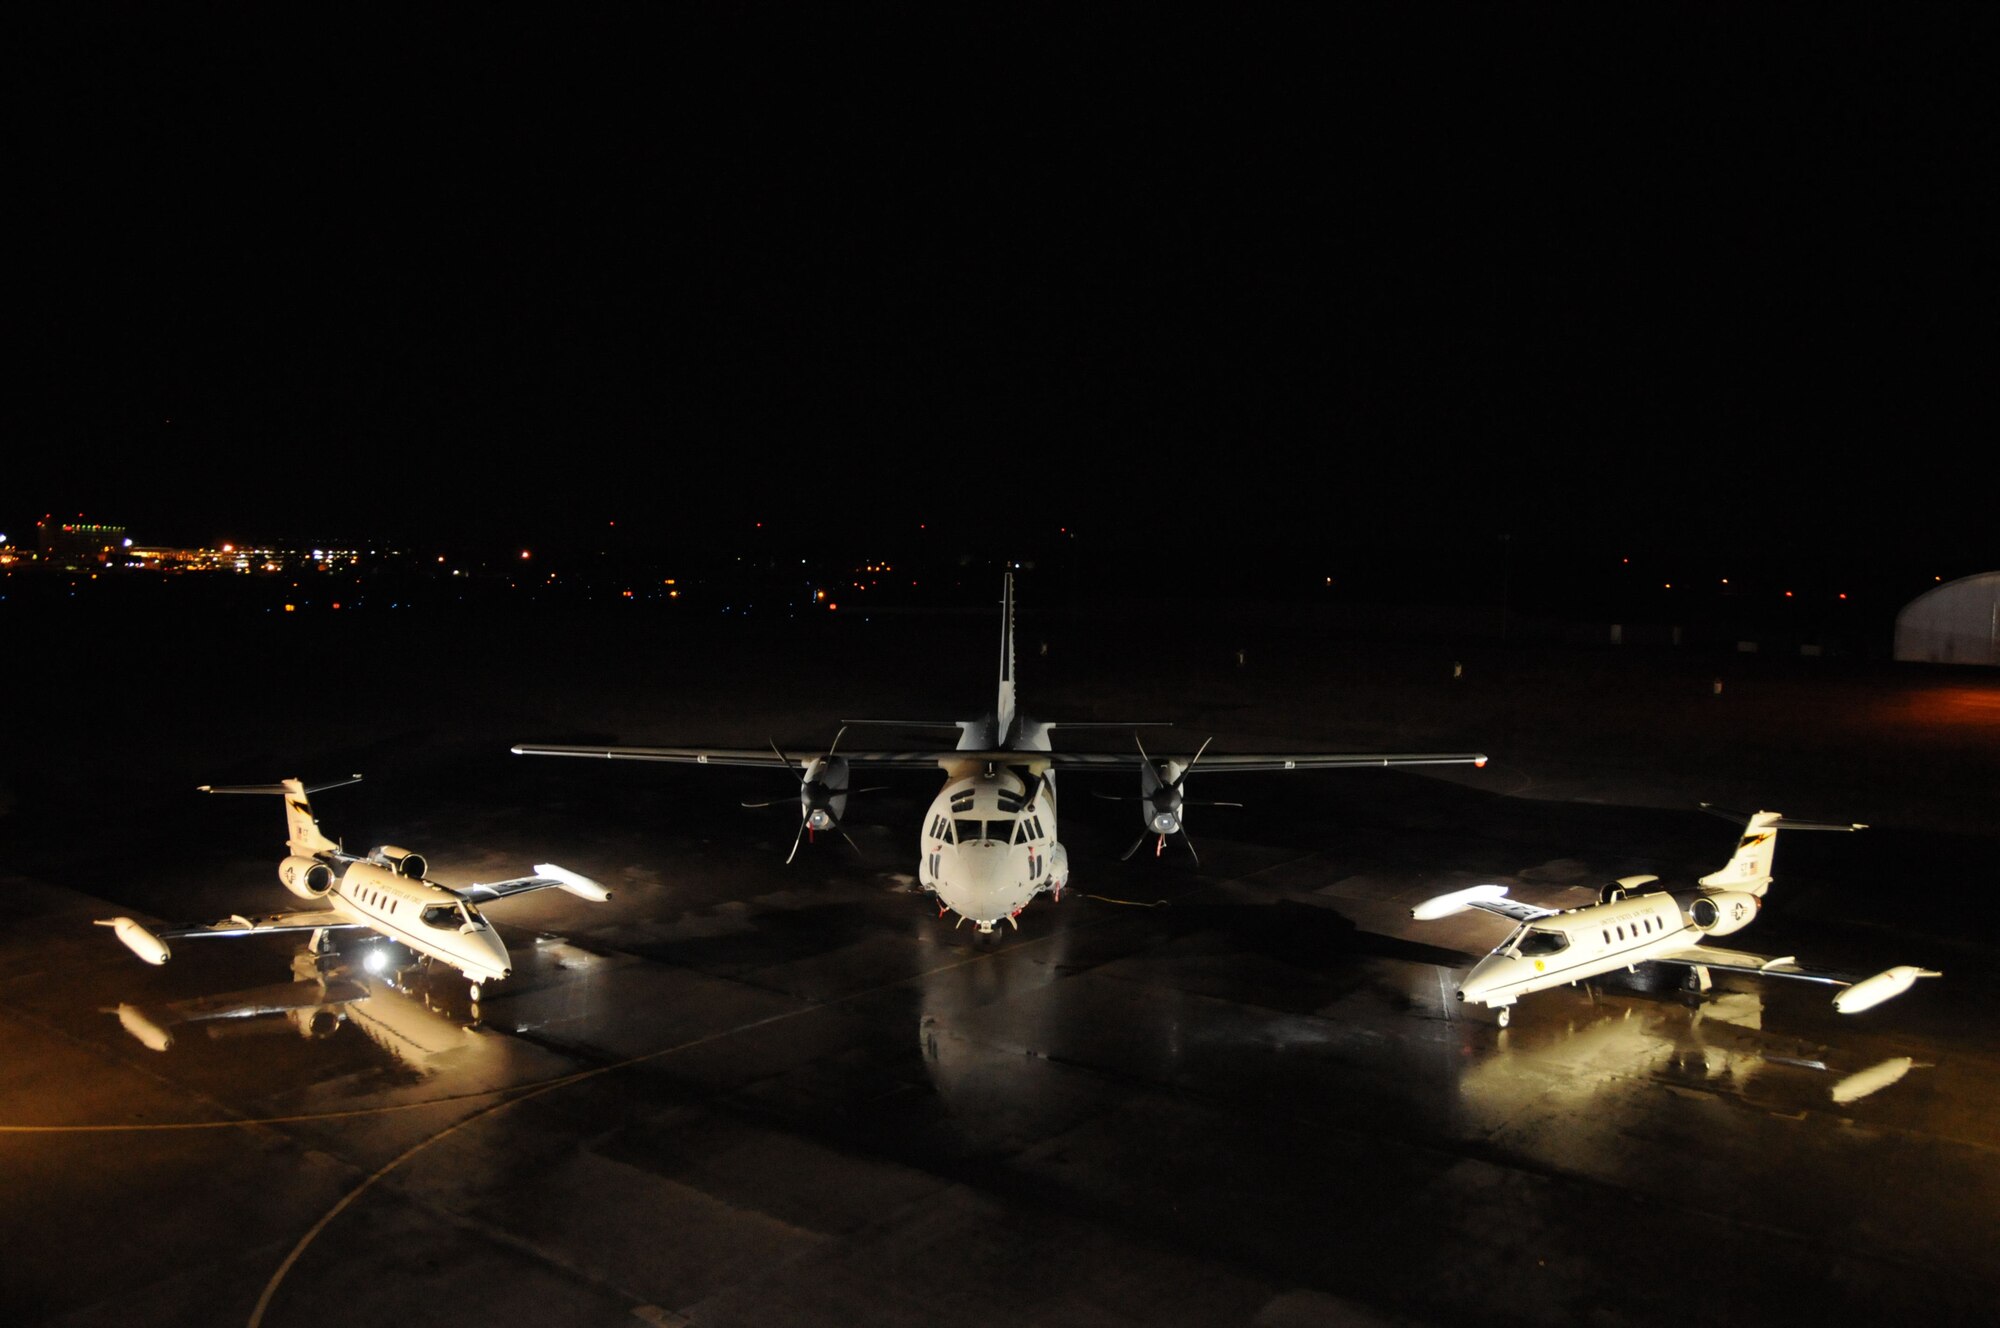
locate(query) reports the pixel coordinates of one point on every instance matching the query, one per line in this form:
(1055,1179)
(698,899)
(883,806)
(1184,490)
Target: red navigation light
(1480,764)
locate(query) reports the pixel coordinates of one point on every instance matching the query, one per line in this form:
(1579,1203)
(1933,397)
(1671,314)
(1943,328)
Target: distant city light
(524,553)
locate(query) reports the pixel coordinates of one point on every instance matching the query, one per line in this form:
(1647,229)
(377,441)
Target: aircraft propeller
(1162,795)
(823,793)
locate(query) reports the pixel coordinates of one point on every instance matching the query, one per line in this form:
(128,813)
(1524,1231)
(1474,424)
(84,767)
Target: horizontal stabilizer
(277,788)
(1780,822)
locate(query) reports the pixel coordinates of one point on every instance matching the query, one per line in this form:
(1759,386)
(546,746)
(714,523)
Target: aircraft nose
(1484,977)
(494,952)
(984,884)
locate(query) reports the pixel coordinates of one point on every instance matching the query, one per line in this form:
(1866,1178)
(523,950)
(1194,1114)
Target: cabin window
(1621,933)
(1607,936)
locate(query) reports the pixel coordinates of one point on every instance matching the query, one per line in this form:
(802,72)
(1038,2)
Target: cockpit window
(966,829)
(452,917)
(1535,942)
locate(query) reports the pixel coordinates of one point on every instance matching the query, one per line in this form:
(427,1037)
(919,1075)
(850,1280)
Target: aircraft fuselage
(989,842)
(427,918)
(1596,939)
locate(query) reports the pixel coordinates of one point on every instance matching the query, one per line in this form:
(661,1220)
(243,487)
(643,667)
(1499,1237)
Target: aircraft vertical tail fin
(1749,868)
(1003,706)
(302,833)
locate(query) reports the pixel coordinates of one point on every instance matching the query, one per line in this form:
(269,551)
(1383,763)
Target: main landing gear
(1506,1015)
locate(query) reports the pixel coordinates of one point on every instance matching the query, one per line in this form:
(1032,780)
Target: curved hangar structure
(1955,623)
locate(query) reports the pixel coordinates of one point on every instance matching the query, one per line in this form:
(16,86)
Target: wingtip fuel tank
(1886,985)
(138,940)
(574,882)
(1443,906)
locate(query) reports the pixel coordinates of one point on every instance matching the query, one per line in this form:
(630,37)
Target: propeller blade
(785,760)
(851,844)
(795,842)
(1192,759)
(1126,856)
(1190,848)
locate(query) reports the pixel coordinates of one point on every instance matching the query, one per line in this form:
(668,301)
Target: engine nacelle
(402,861)
(1723,911)
(308,878)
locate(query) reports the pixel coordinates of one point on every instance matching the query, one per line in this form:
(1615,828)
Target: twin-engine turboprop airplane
(1633,926)
(384,891)
(988,844)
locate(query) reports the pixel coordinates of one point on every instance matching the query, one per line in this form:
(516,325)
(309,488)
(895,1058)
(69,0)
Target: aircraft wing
(753,756)
(1512,908)
(1240,761)
(1742,961)
(548,877)
(311,919)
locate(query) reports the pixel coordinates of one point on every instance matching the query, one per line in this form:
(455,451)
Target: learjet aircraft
(1631,925)
(384,890)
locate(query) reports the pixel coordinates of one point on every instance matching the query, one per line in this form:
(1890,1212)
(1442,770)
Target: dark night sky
(1682,275)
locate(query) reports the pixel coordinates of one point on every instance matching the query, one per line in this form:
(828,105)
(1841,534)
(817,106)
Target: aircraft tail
(1003,706)
(302,833)
(1749,868)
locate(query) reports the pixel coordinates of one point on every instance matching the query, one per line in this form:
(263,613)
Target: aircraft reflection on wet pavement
(1632,926)
(384,891)
(989,844)
(1719,1046)
(383,995)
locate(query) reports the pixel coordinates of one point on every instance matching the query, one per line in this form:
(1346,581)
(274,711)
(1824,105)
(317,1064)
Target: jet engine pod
(405,862)
(308,878)
(1723,912)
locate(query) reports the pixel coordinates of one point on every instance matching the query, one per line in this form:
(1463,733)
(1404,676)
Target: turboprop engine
(1720,912)
(308,878)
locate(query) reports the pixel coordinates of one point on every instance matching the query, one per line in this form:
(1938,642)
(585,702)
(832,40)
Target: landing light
(376,961)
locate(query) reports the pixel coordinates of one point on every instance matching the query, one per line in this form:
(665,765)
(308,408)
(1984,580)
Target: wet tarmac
(743,1093)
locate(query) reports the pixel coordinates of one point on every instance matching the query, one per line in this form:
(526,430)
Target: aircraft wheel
(1506,1015)
(475,991)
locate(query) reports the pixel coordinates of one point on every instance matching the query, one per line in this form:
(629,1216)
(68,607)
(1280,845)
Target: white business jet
(1632,925)
(989,843)
(384,891)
